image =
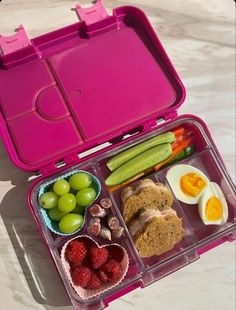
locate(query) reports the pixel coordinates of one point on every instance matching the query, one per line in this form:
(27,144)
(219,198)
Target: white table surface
(199,38)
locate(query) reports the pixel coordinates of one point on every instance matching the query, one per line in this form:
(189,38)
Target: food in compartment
(212,205)
(48,200)
(56,214)
(103,222)
(71,222)
(155,232)
(98,256)
(85,196)
(181,152)
(93,269)
(94,226)
(76,252)
(105,233)
(61,187)
(148,156)
(113,222)
(117,233)
(141,162)
(187,182)
(80,181)
(66,203)
(106,203)
(154,226)
(66,199)
(192,186)
(145,194)
(132,152)
(97,211)
(187,151)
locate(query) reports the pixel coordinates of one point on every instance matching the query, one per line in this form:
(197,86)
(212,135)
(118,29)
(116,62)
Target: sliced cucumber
(130,153)
(143,161)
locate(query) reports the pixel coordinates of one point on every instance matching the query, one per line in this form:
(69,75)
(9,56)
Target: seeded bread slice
(159,235)
(145,195)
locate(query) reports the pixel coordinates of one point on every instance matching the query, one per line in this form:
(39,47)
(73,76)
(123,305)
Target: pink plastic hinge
(10,44)
(93,14)
(171,115)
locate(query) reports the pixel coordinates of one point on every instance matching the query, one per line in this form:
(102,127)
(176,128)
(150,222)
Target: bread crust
(159,235)
(153,232)
(151,196)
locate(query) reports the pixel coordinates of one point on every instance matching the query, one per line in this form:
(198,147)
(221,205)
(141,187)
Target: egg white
(174,175)
(213,189)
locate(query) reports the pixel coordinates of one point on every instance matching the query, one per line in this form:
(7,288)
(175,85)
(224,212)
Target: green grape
(70,223)
(61,187)
(48,200)
(80,180)
(86,196)
(56,214)
(67,202)
(79,209)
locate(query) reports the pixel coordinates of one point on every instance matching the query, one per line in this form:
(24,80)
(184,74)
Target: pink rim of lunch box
(110,83)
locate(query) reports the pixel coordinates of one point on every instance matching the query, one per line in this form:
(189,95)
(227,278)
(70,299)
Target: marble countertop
(199,37)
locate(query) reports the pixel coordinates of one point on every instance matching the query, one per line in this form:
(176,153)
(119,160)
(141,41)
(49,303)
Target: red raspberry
(102,276)
(94,281)
(98,256)
(76,252)
(74,265)
(112,269)
(81,276)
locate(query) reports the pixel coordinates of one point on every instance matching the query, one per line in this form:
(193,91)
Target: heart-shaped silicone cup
(53,225)
(89,293)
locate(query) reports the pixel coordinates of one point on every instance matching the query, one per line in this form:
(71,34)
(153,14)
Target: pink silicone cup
(88,293)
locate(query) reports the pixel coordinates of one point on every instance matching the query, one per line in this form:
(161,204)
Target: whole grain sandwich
(152,223)
(155,232)
(145,195)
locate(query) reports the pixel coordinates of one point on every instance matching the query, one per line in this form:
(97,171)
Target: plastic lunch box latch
(15,42)
(15,48)
(92,14)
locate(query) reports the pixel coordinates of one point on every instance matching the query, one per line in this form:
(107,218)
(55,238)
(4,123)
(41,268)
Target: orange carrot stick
(179,131)
(174,145)
(176,151)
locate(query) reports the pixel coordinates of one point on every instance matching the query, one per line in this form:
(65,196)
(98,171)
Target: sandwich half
(145,195)
(155,232)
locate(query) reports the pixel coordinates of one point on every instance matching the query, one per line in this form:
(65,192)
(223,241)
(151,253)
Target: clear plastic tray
(142,272)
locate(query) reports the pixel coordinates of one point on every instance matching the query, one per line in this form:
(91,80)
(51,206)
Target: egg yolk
(192,184)
(214,209)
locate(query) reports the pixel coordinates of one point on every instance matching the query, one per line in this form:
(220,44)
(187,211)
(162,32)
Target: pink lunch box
(85,92)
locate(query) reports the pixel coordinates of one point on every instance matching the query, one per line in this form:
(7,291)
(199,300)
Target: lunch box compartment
(191,124)
(186,244)
(132,276)
(209,164)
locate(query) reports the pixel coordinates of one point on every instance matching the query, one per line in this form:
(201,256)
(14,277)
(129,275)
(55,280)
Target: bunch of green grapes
(67,200)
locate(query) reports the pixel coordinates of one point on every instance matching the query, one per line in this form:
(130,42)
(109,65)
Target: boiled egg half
(187,183)
(212,205)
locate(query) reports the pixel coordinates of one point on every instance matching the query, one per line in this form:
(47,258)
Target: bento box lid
(72,89)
